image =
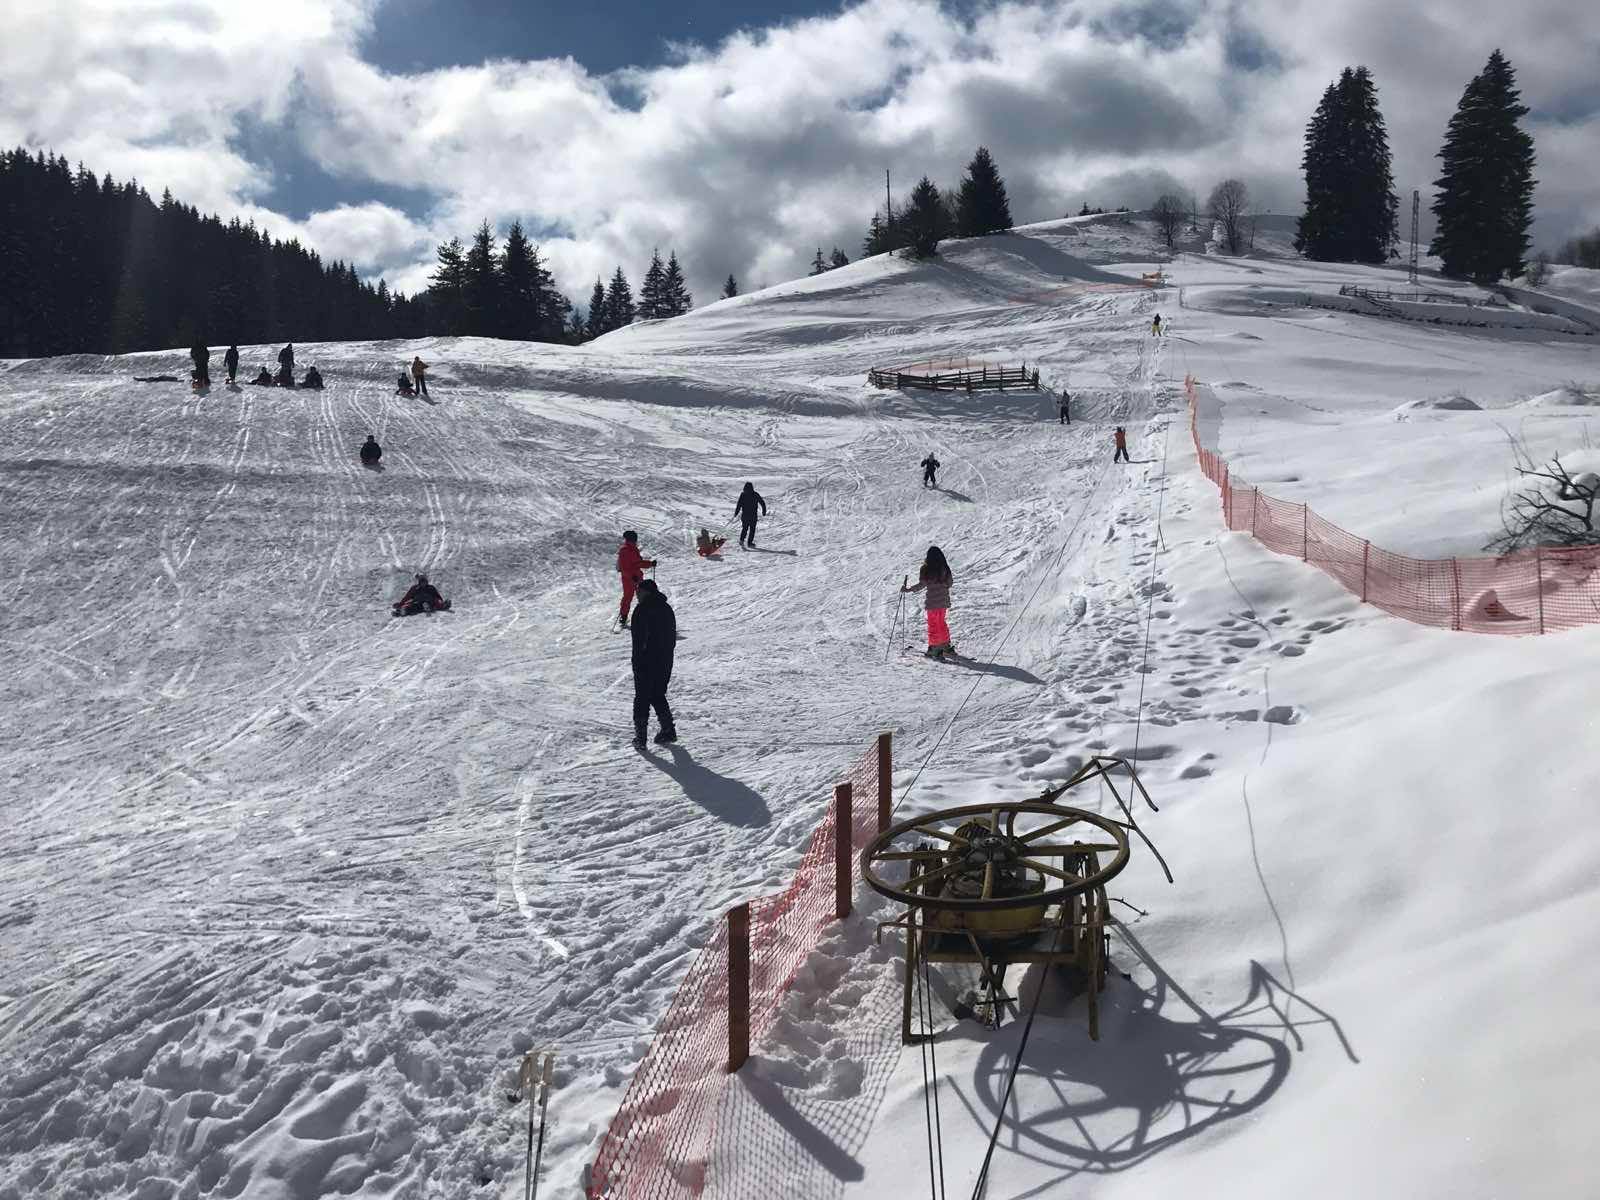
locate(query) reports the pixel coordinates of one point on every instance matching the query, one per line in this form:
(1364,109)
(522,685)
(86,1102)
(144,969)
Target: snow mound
(1455,403)
(1565,396)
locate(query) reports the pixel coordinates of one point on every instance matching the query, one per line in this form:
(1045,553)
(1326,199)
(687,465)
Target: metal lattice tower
(1416,205)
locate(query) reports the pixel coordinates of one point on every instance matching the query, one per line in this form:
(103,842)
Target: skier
(403,388)
(1155,325)
(630,565)
(707,545)
(371,452)
(745,509)
(313,379)
(422,596)
(286,358)
(1066,408)
(1122,446)
(935,579)
(264,379)
(231,361)
(419,371)
(201,356)
(655,638)
(930,465)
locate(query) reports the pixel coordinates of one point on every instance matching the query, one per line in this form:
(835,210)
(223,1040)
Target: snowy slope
(287,885)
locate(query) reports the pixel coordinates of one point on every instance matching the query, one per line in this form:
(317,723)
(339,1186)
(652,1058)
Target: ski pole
(544,1103)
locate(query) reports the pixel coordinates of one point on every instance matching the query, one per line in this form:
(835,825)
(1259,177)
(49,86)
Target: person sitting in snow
(313,379)
(264,379)
(403,388)
(371,452)
(421,597)
(708,545)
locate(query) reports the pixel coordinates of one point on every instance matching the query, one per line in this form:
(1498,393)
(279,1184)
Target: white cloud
(745,155)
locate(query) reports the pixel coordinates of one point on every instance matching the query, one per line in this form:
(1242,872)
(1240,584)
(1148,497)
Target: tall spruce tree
(924,220)
(1485,192)
(818,266)
(838,259)
(447,289)
(620,310)
(981,203)
(595,324)
(481,288)
(652,292)
(521,302)
(674,289)
(1351,209)
(730,289)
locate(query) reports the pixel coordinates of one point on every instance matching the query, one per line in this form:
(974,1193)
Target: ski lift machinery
(992,885)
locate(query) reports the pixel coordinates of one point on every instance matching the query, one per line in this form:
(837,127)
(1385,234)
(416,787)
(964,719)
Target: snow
(287,886)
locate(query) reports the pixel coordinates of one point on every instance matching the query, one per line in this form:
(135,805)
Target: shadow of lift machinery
(1009,883)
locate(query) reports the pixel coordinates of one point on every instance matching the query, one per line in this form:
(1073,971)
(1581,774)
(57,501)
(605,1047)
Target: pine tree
(924,220)
(981,203)
(447,289)
(675,291)
(730,289)
(817,265)
(595,324)
(1485,193)
(652,293)
(576,330)
(838,259)
(619,302)
(1351,208)
(521,301)
(481,290)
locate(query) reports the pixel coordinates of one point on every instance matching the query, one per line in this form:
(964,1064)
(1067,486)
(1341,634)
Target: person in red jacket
(631,566)
(1122,446)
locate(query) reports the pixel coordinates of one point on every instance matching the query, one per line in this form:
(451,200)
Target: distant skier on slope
(422,596)
(1155,325)
(371,452)
(935,579)
(1122,446)
(631,566)
(930,468)
(230,360)
(201,357)
(745,509)
(655,638)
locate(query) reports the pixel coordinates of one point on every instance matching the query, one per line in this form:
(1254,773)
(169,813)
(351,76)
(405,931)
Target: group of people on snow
(200,355)
(415,383)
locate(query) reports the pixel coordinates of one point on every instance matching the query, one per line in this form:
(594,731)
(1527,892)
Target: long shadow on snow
(1000,669)
(1165,1069)
(726,799)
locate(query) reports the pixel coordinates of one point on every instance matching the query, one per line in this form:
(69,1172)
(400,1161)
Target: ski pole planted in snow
(536,1159)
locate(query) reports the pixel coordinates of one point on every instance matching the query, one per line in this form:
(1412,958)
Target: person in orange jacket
(419,375)
(631,566)
(1122,446)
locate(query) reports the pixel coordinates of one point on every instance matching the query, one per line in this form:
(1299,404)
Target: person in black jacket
(371,452)
(422,596)
(313,379)
(655,639)
(745,510)
(262,380)
(201,357)
(231,361)
(930,467)
(286,358)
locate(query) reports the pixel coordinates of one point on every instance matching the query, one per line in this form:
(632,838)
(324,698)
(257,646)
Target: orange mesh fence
(1544,590)
(661,1137)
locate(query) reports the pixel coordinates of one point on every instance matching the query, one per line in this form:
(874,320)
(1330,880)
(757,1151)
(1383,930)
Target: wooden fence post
(1366,552)
(1255,494)
(1305,533)
(1455,590)
(1538,581)
(738,986)
(843,812)
(885,780)
(1227,505)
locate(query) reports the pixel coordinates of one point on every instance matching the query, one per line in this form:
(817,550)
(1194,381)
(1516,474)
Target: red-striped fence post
(738,986)
(885,780)
(842,813)
(1538,581)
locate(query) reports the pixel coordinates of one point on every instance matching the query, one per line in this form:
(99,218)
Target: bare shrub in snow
(1555,507)
(1228,202)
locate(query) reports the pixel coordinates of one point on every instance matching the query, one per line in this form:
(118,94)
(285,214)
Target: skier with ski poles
(935,579)
(745,509)
(631,566)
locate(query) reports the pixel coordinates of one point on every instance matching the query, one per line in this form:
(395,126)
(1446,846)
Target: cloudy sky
(742,134)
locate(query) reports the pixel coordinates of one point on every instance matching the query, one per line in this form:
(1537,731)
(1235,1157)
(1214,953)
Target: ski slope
(287,886)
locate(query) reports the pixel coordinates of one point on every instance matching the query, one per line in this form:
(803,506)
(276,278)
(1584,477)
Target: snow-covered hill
(286,886)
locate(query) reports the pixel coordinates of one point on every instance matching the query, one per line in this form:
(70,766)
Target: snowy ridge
(287,886)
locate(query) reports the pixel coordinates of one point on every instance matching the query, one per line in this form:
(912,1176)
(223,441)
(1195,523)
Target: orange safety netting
(1531,591)
(661,1137)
